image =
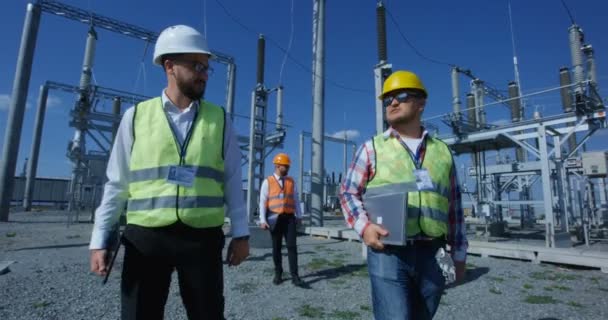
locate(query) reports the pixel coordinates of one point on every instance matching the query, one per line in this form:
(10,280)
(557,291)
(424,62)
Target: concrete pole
(116,103)
(318,119)
(301,157)
(12,135)
(35,149)
(230,90)
(603,213)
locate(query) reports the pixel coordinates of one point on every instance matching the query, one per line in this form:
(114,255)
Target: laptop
(390,211)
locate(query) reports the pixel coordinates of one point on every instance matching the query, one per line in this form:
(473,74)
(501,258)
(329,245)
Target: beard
(191,89)
(405,119)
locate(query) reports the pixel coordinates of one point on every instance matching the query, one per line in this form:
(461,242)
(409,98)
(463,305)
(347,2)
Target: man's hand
(99,261)
(264,225)
(372,234)
(238,250)
(460,267)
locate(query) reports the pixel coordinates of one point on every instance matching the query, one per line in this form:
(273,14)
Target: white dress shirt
(116,189)
(264,198)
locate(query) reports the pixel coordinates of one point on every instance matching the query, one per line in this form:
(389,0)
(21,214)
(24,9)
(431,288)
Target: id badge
(182,176)
(423,180)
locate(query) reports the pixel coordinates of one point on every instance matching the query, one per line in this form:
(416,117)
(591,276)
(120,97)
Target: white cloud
(53,101)
(350,134)
(5,99)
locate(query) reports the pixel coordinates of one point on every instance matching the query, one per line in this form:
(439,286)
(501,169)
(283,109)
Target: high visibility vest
(281,200)
(154,202)
(427,210)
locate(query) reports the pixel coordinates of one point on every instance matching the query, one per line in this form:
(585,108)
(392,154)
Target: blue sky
(473,34)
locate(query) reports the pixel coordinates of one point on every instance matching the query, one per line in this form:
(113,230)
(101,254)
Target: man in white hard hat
(175,164)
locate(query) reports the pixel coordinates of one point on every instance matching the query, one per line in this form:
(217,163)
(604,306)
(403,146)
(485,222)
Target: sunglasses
(401,97)
(197,66)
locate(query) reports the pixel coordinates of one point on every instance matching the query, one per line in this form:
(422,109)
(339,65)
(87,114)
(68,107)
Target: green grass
(528,286)
(311,312)
(338,314)
(574,304)
(11,234)
(471,266)
(548,289)
(365,308)
(540,300)
(42,304)
(553,276)
(497,279)
(245,287)
(595,280)
(317,263)
(562,288)
(361,272)
(495,290)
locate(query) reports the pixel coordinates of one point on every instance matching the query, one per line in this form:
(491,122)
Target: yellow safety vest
(428,209)
(154,202)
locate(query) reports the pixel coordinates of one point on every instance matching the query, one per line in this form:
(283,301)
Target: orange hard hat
(282,159)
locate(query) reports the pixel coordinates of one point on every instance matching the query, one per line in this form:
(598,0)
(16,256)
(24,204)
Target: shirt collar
(390,132)
(170,107)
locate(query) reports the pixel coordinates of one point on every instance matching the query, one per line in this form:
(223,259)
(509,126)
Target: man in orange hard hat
(280,213)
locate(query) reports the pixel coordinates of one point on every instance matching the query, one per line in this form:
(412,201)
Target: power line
(276,44)
(390,15)
(568,11)
(289,44)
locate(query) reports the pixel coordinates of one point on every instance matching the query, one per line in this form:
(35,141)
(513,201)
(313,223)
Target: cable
(506,100)
(276,44)
(390,15)
(288,46)
(568,11)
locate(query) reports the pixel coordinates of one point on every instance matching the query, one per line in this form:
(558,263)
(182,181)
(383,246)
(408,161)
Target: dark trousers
(147,269)
(285,228)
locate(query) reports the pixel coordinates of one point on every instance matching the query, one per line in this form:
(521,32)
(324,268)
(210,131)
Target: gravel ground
(50,279)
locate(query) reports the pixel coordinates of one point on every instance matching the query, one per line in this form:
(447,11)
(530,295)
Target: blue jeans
(407,282)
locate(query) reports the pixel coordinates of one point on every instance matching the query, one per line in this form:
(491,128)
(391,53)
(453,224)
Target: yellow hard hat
(282,159)
(402,80)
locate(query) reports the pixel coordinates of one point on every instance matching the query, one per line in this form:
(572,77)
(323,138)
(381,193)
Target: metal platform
(576,256)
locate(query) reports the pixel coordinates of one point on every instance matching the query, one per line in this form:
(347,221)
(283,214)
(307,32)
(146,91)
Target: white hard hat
(180,39)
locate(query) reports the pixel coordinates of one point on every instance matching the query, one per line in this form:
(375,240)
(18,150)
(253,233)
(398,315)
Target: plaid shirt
(362,170)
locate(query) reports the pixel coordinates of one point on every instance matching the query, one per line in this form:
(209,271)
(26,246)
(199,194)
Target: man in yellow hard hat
(280,213)
(408,278)
(175,164)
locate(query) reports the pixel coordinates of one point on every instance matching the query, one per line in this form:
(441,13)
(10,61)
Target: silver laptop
(390,211)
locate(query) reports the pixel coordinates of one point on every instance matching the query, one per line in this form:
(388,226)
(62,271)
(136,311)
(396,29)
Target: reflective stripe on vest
(281,200)
(153,202)
(427,210)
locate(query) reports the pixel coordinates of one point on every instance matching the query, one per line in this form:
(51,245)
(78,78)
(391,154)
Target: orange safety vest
(281,200)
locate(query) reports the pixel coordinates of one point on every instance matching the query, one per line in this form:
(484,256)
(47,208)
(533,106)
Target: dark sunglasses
(197,66)
(401,97)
